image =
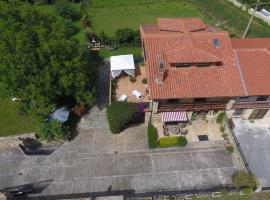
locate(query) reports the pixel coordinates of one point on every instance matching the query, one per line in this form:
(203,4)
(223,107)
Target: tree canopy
(39,59)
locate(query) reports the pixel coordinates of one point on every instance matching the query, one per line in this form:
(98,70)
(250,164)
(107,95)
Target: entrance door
(258,113)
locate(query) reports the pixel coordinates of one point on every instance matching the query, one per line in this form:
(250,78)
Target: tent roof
(122,62)
(60,114)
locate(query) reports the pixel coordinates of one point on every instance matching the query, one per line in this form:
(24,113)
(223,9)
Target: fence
(231,127)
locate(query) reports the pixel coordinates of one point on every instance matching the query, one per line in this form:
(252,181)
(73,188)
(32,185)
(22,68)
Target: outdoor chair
(138,95)
(123,97)
(184,132)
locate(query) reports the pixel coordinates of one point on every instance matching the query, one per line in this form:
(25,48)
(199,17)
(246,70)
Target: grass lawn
(236,19)
(11,122)
(110,15)
(136,51)
(172,141)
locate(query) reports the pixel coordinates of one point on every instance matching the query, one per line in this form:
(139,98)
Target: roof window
(216,43)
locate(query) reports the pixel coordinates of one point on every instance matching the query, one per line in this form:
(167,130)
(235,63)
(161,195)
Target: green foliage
(127,36)
(203,117)
(243,179)
(222,129)
(132,79)
(70,28)
(193,116)
(247,191)
(230,149)
(53,130)
(225,136)
(172,141)
(152,136)
(220,117)
(144,81)
(119,114)
(105,39)
(65,9)
(39,61)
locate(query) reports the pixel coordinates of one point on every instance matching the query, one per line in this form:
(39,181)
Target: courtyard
(254,139)
(97,161)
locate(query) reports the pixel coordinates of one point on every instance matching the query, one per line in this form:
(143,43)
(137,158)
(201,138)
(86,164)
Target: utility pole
(251,18)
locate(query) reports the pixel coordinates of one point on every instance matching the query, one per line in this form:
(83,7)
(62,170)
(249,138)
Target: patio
(125,86)
(195,131)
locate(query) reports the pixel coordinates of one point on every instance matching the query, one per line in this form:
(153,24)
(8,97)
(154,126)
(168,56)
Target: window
(203,64)
(182,64)
(262,98)
(216,43)
(200,100)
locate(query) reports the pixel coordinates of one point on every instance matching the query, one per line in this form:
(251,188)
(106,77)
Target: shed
(122,63)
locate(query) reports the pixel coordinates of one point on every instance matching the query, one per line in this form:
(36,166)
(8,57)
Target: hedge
(152,136)
(120,114)
(172,141)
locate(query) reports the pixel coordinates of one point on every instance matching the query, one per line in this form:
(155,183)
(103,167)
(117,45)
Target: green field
(235,19)
(11,122)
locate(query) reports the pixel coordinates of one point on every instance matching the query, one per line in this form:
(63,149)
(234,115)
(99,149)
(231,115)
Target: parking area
(254,139)
(97,161)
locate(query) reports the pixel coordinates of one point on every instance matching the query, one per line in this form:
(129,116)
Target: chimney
(161,72)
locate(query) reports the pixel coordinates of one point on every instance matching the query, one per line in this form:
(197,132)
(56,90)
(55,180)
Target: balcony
(203,106)
(252,105)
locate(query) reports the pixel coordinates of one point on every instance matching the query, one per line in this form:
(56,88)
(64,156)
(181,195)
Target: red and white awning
(174,116)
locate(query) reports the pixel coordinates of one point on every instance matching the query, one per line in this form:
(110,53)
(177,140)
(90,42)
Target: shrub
(172,141)
(193,116)
(127,36)
(247,191)
(144,81)
(152,136)
(230,149)
(222,129)
(132,79)
(242,179)
(220,117)
(225,136)
(70,28)
(53,130)
(120,114)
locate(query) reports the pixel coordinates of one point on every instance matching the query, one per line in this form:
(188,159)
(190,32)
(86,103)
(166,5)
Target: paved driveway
(254,139)
(97,161)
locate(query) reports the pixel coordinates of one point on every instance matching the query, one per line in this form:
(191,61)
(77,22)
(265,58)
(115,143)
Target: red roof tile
(191,82)
(254,60)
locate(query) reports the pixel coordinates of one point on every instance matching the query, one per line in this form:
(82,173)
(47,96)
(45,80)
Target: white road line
(152,161)
(220,176)
(179,185)
(193,162)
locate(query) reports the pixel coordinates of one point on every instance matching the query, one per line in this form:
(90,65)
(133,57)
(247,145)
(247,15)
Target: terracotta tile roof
(254,60)
(180,24)
(191,82)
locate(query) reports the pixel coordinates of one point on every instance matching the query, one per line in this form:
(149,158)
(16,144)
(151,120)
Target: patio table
(173,129)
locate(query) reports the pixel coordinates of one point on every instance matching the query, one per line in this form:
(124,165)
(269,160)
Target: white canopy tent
(122,63)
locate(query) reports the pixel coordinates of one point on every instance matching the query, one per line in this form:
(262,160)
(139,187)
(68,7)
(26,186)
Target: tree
(65,9)
(40,61)
(127,36)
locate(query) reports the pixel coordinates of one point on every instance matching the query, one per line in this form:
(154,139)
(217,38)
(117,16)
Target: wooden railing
(251,105)
(191,106)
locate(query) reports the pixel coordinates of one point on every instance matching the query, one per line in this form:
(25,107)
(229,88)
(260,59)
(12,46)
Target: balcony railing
(251,105)
(191,106)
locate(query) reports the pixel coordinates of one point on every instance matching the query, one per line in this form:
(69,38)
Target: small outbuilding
(122,63)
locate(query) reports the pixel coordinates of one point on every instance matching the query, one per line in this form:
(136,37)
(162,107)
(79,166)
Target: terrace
(125,86)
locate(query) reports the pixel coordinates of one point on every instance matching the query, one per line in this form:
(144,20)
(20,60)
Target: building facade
(193,67)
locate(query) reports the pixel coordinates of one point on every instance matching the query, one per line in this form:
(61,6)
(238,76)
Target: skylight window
(216,43)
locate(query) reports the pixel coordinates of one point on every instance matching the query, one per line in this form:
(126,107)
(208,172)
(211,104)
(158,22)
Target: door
(258,113)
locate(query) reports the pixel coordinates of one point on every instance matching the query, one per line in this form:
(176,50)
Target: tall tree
(40,61)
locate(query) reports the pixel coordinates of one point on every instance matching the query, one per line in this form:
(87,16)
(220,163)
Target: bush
(243,179)
(132,79)
(53,130)
(172,141)
(230,149)
(193,116)
(222,129)
(70,28)
(220,117)
(144,81)
(127,36)
(247,191)
(152,136)
(120,114)
(225,136)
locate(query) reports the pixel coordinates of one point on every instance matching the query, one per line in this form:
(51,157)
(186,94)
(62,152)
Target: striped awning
(174,116)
